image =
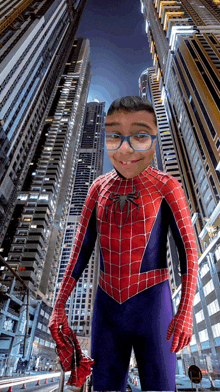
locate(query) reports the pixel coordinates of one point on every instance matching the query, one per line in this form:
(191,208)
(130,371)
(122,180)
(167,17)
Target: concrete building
(165,157)
(184,38)
(34,234)
(89,166)
(33,36)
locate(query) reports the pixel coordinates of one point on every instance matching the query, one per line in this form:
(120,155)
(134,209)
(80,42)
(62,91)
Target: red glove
(181,325)
(72,358)
(59,319)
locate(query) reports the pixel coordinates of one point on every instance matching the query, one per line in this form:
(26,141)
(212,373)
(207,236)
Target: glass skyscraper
(35,38)
(184,38)
(165,158)
(89,165)
(45,77)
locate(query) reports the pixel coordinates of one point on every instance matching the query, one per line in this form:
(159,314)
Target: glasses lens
(141,142)
(112,141)
(138,142)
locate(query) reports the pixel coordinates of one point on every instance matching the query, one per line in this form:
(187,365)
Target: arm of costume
(181,226)
(82,249)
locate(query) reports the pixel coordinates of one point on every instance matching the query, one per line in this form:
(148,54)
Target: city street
(49,384)
(182,383)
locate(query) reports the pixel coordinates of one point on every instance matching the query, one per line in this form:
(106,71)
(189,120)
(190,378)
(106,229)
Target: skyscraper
(165,158)
(89,165)
(35,39)
(40,194)
(184,38)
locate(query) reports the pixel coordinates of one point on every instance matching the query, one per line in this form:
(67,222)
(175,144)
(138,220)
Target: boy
(130,210)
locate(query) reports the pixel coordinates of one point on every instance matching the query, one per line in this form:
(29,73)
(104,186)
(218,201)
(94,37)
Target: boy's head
(131,116)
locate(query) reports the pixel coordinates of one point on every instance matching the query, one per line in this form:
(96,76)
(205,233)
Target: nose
(125,146)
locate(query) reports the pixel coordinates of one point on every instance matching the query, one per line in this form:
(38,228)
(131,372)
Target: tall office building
(184,38)
(35,38)
(164,158)
(89,165)
(165,151)
(34,237)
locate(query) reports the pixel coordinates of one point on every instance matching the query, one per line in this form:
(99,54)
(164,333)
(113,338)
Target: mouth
(127,163)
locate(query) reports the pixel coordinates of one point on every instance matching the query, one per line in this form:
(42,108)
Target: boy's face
(127,161)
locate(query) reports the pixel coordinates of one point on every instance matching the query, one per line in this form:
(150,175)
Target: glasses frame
(127,138)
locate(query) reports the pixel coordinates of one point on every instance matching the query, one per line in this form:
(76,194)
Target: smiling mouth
(128,162)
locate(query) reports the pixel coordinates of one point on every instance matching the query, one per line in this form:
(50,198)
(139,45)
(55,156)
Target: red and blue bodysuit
(133,306)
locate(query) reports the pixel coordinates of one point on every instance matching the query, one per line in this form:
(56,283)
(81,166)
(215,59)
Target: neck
(120,175)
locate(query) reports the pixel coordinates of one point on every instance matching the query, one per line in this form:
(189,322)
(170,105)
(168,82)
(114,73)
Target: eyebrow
(139,124)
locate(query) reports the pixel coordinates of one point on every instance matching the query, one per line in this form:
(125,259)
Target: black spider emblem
(122,199)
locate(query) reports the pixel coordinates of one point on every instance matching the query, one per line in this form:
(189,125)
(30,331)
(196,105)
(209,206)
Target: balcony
(171,15)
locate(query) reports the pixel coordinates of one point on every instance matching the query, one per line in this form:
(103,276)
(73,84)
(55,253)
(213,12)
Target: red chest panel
(126,212)
(131,224)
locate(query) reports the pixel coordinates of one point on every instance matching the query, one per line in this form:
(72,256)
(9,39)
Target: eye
(112,136)
(141,136)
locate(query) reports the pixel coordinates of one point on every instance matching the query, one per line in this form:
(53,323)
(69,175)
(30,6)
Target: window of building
(34,196)
(204,270)
(208,288)
(199,316)
(217,254)
(22,232)
(213,307)
(203,335)
(27,218)
(177,301)
(204,186)
(216,330)
(210,207)
(197,299)
(22,197)
(193,341)
(20,240)
(44,197)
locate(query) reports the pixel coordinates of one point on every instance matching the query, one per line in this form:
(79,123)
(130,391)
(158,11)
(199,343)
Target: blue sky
(119,50)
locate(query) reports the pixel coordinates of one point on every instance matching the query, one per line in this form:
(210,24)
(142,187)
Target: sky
(119,50)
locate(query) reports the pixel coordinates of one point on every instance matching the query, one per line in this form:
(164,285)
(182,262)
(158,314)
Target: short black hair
(132,104)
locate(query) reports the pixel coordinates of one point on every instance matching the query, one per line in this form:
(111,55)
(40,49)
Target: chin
(129,173)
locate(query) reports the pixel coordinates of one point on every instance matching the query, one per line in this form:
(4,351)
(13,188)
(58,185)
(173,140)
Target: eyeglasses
(139,142)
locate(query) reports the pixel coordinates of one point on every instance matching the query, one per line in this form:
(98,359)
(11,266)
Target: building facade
(89,158)
(34,236)
(184,38)
(33,36)
(165,158)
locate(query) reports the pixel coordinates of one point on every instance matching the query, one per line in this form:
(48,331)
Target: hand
(59,321)
(181,329)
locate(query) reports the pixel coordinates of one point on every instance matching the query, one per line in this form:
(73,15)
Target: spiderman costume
(133,306)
